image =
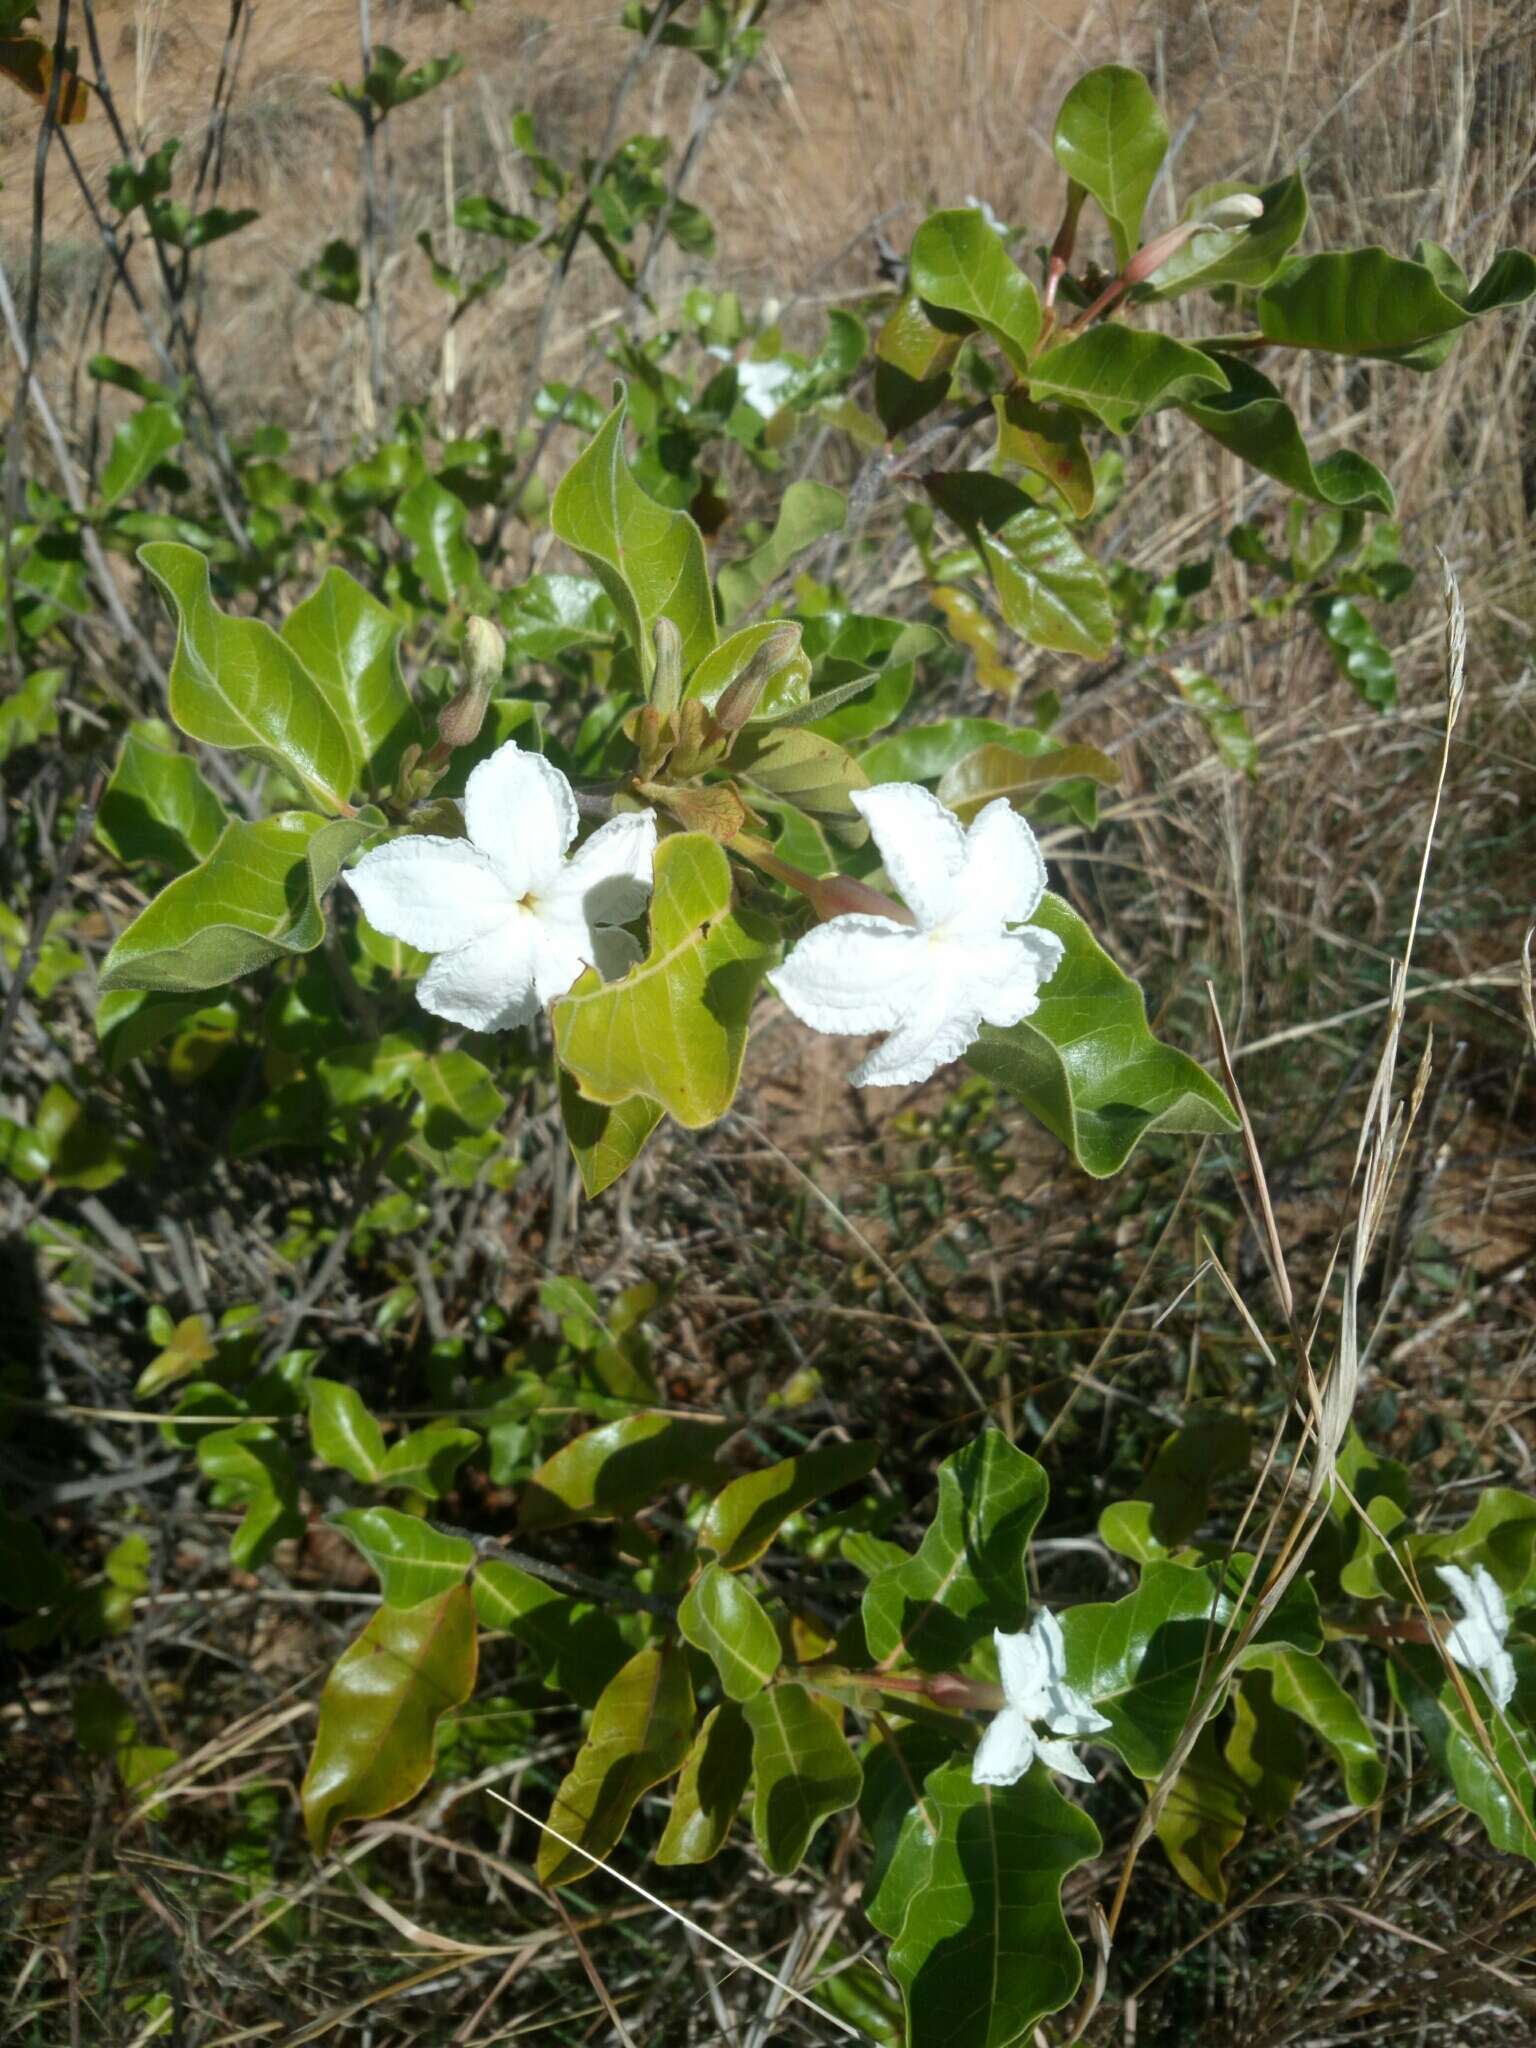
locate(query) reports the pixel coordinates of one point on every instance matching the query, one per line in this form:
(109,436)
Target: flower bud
(740,697)
(461,718)
(667,681)
(1236,211)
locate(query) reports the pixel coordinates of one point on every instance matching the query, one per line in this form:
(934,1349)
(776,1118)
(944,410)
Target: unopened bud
(460,720)
(652,739)
(740,697)
(667,681)
(1234,212)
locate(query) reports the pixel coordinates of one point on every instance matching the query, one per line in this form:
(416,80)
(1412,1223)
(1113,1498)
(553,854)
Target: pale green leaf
(1111,138)
(961,265)
(414,1561)
(744,1517)
(803,1771)
(808,512)
(1120,373)
(349,643)
(721,1616)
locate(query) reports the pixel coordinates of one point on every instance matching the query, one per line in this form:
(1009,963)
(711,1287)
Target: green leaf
(1266,1750)
(792,765)
(1358,651)
(579,1646)
(256,898)
(1051,590)
(744,1517)
(548,615)
(803,1771)
(427,1460)
(1227,726)
(787,689)
(674,1029)
(1047,440)
(433,520)
(710,1791)
(1254,422)
(380,1710)
(1120,373)
(1305,1687)
(924,753)
(721,1617)
(235,683)
(349,643)
(1363,302)
(139,444)
(983,1950)
(960,265)
(1500,1533)
(846,649)
(189,1346)
(994,771)
(649,560)
(611,1471)
(31,713)
(1248,255)
(1203,1819)
(157,806)
(414,1561)
(808,512)
(250,1465)
(342,1432)
(1111,138)
(605,1138)
(640,1734)
(1086,1065)
(913,361)
(1496,1784)
(1210,1446)
(968,1576)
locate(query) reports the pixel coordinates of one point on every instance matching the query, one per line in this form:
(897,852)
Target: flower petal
(607,881)
(922,844)
(854,973)
(1004,874)
(488,983)
(1003,974)
(1477,1641)
(1023,1664)
(520,811)
(1060,1757)
(938,1030)
(433,893)
(1005,1751)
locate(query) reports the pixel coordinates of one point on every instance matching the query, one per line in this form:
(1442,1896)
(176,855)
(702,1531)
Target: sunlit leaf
(414,1561)
(721,1616)
(578,1644)
(640,1734)
(744,1517)
(349,643)
(1364,302)
(995,771)
(342,1431)
(803,1771)
(1490,1775)
(913,362)
(1254,422)
(605,1138)
(961,265)
(140,443)
(1248,255)
(710,1791)
(1120,373)
(157,805)
(1203,1818)
(1051,590)
(1111,138)
(433,519)
(807,513)
(613,1470)
(1048,441)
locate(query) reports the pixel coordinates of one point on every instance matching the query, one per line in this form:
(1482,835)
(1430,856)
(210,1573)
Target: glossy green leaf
(1203,1818)
(1141,1659)
(1121,373)
(1226,724)
(808,512)
(982,1950)
(1266,1750)
(380,1709)
(640,1733)
(433,519)
(577,1644)
(427,1460)
(744,1517)
(612,1471)
(1249,255)
(1254,422)
(924,753)
(721,1616)
(414,1561)
(250,1467)
(1491,1777)
(1305,1687)
(1358,651)
(650,560)
(710,1791)
(1500,1533)
(1087,1067)
(1364,302)
(1051,590)
(157,806)
(994,771)
(605,1138)
(256,898)
(674,1029)
(236,683)
(913,362)
(968,1576)
(138,445)
(787,689)
(349,643)
(803,1771)
(549,615)
(1110,137)
(961,265)
(342,1431)
(1047,440)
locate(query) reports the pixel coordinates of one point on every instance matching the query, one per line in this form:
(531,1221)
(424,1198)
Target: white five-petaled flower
(1477,1640)
(1032,1666)
(512,921)
(933,987)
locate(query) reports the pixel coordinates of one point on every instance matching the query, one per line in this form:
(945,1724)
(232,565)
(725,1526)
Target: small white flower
(1477,1641)
(1033,1668)
(513,922)
(932,987)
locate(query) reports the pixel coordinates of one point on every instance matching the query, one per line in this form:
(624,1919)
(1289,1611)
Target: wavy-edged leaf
(1305,1687)
(250,1466)
(883,652)
(968,1575)
(961,265)
(349,643)
(138,445)
(913,361)
(1203,1817)
(722,1617)
(426,1461)
(414,1561)
(342,1431)
(1252,421)
(380,1710)
(1359,653)
(1087,1067)
(803,1771)
(994,771)
(605,1138)
(710,1791)
(793,765)
(1248,255)
(640,1734)
(1121,373)
(787,689)
(1047,440)
(744,1517)
(577,1645)
(674,1029)
(550,614)
(157,805)
(649,559)
(982,1951)
(924,753)
(1111,138)
(1365,302)
(256,898)
(808,512)
(1051,589)
(1490,1776)
(613,1470)
(1266,1750)
(236,683)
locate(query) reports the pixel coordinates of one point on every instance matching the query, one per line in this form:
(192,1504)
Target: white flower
(513,922)
(998,227)
(1032,1665)
(1477,1641)
(932,987)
